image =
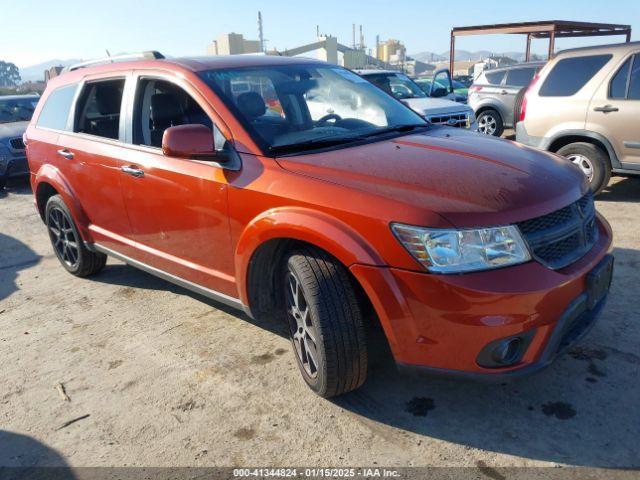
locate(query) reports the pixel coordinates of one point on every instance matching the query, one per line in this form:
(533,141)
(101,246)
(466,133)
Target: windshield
(17,109)
(295,107)
(396,84)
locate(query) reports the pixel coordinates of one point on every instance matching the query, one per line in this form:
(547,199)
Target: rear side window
(494,78)
(618,86)
(520,77)
(634,79)
(571,74)
(98,109)
(55,112)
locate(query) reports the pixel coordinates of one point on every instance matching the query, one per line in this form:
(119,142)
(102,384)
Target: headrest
(164,108)
(108,99)
(251,104)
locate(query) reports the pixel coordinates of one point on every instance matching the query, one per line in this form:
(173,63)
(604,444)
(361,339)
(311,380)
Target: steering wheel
(331,116)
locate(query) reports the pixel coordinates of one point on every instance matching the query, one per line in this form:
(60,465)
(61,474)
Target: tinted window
(160,105)
(571,74)
(520,77)
(618,87)
(98,110)
(55,111)
(634,81)
(494,78)
(17,109)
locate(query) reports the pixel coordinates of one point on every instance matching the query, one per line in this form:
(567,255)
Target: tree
(9,74)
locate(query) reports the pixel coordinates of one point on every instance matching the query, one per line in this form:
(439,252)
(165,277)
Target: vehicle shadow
(625,190)
(14,256)
(582,410)
(16,186)
(127,276)
(22,457)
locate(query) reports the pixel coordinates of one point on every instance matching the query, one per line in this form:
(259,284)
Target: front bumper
(441,323)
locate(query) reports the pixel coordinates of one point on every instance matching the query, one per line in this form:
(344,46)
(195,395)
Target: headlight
(457,251)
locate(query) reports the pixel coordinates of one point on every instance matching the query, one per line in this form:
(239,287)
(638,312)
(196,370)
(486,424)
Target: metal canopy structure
(550,29)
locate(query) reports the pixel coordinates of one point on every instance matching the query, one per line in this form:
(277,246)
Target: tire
(490,123)
(325,303)
(592,160)
(517,105)
(67,242)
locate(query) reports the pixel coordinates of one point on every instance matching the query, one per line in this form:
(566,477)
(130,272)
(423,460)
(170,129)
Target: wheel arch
(573,136)
(49,181)
(264,242)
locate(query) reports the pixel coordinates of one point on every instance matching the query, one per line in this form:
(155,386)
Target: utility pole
(260,33)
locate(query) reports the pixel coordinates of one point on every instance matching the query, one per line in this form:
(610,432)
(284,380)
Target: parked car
(585,106)
(478,257)
(435,110)
(15,113)
(459,94)
(492,95)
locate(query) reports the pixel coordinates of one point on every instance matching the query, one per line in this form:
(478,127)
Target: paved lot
(159,377)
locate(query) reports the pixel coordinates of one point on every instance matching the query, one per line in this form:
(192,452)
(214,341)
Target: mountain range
(464,55)
(35,73)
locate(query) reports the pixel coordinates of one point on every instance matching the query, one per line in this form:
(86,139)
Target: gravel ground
(157,376)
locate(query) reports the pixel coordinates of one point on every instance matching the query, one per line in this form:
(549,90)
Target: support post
(452,52)
(552,44)
(527,55)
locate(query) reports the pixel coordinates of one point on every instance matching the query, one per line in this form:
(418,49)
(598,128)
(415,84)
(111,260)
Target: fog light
(505,351)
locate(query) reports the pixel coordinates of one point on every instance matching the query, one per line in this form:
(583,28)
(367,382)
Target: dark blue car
(15,113)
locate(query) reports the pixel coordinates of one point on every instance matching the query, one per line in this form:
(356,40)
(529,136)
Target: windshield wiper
(315,143)
(399,128)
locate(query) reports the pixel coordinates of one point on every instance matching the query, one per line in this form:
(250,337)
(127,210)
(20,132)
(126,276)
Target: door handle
(63,152)
(133,171)
(606,109)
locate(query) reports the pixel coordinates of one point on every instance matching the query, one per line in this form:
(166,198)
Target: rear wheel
(490,123)
(592,161)
(517,105)
(67,243)
(325,322)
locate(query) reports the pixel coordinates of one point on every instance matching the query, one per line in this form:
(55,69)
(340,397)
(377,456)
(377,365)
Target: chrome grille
(564,236)
(450,119)
(16,143)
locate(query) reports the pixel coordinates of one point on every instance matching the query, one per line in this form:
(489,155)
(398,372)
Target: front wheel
(592,161)
(67,242)
(325,322)
(490,123)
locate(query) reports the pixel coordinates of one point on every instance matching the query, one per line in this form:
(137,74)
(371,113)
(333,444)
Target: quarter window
(634,79)
(520,77)
(494,78)
(55,112)
(98,110)
(618,87)
(571,74)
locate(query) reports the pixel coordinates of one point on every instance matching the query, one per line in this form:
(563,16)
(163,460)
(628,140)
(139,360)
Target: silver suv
(492,96)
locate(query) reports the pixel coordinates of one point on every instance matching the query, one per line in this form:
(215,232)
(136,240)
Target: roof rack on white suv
(148,55)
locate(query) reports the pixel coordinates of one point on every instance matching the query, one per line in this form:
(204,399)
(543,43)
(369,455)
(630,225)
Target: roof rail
(149,55)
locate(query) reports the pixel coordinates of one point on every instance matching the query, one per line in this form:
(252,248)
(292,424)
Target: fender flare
(613,156)
(52,176)
(306,225)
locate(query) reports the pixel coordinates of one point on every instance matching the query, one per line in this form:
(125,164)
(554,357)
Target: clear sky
(37,30)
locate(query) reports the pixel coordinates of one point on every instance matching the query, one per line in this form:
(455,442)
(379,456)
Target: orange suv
(477,256)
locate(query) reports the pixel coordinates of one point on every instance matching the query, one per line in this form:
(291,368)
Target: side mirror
(188,141)
(439,92)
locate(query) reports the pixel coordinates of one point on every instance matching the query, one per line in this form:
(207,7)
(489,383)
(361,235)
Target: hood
(467,178)
(431,106)
(11,130)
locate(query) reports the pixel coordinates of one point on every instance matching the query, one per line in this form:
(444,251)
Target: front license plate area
(599,281)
